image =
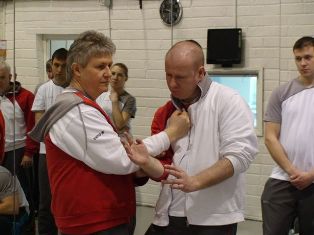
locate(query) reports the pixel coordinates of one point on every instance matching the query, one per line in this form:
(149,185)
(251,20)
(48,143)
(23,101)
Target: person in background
(13,204)
(89,150)
(49,71)
(44,99)
(15,104)
(120,107)
(289,192)
(205,189)
(118,103)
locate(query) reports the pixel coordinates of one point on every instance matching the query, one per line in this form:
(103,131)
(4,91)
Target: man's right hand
(178,125)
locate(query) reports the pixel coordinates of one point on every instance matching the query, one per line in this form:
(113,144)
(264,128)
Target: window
(49,44)
(55,44)
(52,42)
(249,85)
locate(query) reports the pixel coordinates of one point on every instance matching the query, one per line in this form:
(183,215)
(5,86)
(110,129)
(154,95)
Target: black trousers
(179,225)
(46,222)
(23,174)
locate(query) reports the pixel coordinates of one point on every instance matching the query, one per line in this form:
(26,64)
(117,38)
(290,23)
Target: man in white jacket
(204,192)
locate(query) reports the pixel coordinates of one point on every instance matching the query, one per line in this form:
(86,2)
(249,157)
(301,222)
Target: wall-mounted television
(224,46)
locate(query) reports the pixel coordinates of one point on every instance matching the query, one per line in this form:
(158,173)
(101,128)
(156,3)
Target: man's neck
(77,86)
(307,81)
(193,99)
(59,82)
(119,91)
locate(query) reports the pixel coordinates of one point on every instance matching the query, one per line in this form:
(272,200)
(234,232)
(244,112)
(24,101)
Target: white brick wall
(2,6)
(270,28)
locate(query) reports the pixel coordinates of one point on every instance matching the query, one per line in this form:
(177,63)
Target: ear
(201,72)
(76,70)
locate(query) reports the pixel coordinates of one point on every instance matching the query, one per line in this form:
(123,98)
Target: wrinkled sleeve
(31,146)
(92,140)
(237,134)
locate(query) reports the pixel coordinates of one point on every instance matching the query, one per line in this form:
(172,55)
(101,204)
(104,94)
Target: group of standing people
(121,107)
(17,150)
(202,142)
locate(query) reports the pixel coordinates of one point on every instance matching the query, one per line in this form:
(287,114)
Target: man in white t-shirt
(44,99)
(289,128)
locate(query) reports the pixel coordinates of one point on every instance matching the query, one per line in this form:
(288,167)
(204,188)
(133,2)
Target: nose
(59,69)
(107,72)
(171,82)
(113,76)
(303,61)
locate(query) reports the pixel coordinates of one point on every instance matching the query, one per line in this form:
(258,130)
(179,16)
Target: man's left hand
(301,180)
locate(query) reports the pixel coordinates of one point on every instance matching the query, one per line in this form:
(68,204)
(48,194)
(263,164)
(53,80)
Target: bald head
(184,67)
(187,50)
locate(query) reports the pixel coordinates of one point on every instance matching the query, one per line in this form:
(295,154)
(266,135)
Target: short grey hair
(5,65)
(88,44)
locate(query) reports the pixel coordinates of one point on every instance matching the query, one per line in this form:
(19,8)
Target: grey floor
(144,217)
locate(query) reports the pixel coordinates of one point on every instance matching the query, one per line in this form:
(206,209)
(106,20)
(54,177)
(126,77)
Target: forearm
(275,148)
(215,174)
(153,168)
(117,116)
(8,207)
(278,154)
(38,115)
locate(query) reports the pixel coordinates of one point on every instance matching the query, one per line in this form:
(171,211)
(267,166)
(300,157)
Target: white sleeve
(39,103)
(157,144)
(88,137)
(238,139)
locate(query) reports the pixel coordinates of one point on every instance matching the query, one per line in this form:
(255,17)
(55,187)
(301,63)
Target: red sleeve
(2,139)
(25,99)
(159,124)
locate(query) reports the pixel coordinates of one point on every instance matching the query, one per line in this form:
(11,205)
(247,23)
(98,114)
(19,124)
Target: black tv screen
(224,46)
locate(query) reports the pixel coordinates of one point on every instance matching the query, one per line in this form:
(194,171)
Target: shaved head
(184,67)
(188,49)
